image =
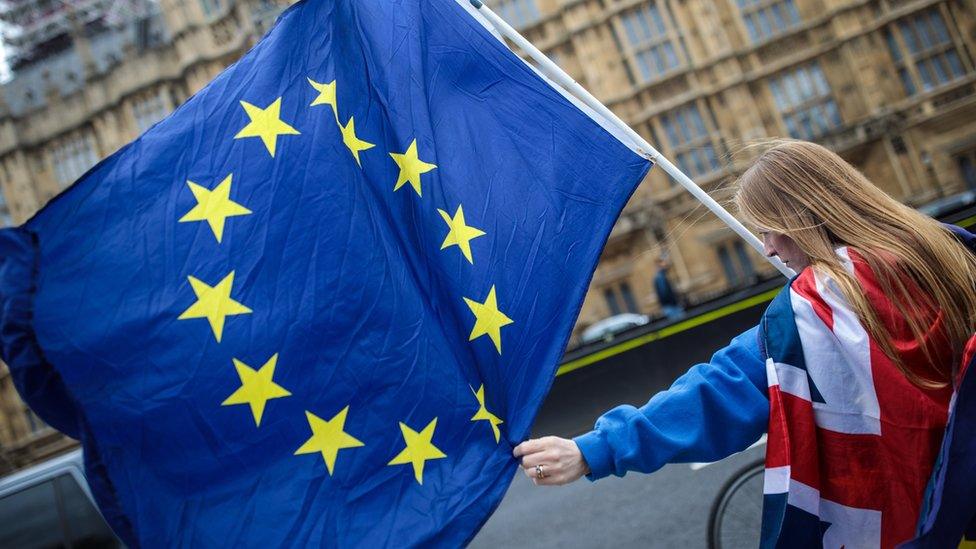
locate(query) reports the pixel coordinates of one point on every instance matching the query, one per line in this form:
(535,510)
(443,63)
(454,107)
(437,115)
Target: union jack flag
(851,441)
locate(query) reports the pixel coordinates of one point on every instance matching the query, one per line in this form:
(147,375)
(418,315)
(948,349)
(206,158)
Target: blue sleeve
(712,411)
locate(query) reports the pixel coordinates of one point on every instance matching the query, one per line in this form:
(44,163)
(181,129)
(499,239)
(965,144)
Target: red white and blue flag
(851,442)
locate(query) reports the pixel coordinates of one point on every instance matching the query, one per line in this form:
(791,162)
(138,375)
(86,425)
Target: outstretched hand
(551,461)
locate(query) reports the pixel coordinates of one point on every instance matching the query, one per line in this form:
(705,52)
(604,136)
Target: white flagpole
(558,75)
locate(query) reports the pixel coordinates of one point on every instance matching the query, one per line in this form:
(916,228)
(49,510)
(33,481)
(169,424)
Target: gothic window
(5,220)
(612,302)
(651,45)
(149,110)
(72,158)
(767,18)
(735,262)
(805,102)
(628,297)
(923,52)
(966,162)
(615,294)
(517,13)
(210,7)
(691,143)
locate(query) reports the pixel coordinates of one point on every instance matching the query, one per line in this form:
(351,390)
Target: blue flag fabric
(319,303)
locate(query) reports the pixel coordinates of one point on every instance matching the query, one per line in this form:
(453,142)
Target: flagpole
(558,75)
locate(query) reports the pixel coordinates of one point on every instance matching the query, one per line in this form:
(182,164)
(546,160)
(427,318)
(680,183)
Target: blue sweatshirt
(712,411)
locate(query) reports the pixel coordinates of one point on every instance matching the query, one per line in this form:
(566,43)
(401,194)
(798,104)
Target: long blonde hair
(813,196)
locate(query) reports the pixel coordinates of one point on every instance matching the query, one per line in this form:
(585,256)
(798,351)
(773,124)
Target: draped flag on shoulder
(319,303)
(851,442)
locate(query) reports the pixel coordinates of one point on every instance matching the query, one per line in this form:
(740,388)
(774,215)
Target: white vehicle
(948,204)
(608,327)
(49,505)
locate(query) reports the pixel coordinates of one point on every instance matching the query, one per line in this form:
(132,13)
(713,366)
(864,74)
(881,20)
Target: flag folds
(851,441)
(320,302)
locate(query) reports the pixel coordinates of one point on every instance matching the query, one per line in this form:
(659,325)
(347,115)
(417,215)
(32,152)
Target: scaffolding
(34,29)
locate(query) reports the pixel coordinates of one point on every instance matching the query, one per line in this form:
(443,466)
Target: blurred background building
(888,84)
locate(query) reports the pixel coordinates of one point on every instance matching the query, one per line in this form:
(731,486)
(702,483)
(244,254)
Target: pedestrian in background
(667,297)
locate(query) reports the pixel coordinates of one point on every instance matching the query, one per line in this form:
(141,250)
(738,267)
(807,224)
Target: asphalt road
(669,508)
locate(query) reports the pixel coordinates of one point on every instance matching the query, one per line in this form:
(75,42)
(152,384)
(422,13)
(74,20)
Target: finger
(531,460)
(519,449)
(528,447)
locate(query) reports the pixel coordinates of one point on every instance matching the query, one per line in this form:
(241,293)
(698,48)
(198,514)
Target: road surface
(668,508)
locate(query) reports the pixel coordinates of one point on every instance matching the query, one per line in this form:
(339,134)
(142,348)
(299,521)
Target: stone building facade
(889,84)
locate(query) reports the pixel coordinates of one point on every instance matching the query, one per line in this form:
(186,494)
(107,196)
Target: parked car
(948,204)
(608,327)
(49,505)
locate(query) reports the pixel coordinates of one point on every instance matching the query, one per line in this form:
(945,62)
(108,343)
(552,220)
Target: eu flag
(320,302)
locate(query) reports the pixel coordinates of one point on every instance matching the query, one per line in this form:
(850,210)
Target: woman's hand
(551,461)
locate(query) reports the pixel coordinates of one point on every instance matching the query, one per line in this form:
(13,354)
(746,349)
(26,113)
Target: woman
(850,371)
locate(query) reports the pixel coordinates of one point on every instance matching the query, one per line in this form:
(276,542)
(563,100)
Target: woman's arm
(714,410)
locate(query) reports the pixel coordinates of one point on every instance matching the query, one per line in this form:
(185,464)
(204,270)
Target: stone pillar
(82,46)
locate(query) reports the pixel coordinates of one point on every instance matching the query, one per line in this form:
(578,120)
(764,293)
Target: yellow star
(411,168)
(460,234)
(327,96)
(257,387)
(488,319)
(354,143)
(328,437)
(214,303)
(265,123)
(483,414)
(214,206)
(419,449)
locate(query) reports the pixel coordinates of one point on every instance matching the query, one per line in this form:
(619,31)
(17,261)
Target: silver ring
(539,473)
